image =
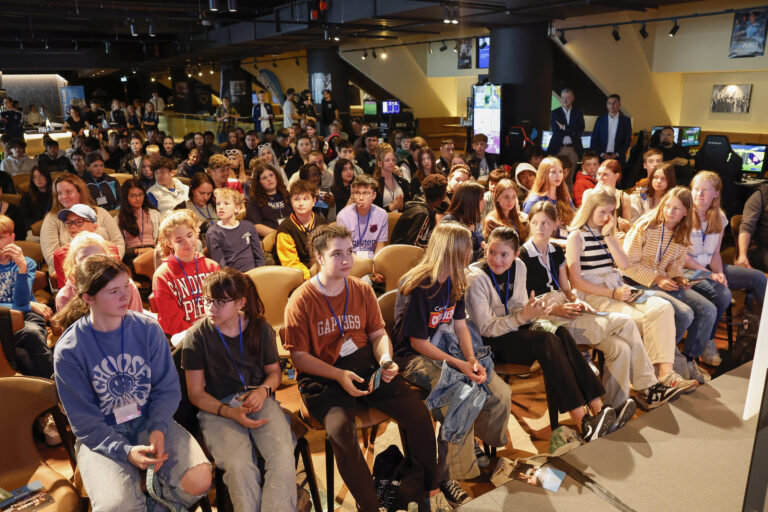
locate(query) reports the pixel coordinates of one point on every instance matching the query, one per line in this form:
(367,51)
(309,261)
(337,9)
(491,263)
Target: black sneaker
(657,395)
(624,413)
(454,493)
(593,427)
(483,461)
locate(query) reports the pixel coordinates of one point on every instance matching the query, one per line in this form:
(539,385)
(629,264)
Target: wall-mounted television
(753,158)
(390,107)
(370,107)
(690,136)
(487,114)
(483,45)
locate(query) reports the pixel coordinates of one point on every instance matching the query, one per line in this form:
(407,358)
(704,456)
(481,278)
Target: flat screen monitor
(675,128)
(370,107)
(690,136)
(753,156)
(254,97)
(487,114)
(546,136)
(390,107)
(483,51)
(586,140)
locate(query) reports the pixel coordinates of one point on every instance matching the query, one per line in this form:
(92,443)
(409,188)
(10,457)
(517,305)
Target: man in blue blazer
(567,126)
(262,115)
(612,135)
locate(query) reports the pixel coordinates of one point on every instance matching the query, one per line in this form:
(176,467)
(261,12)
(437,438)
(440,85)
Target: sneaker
(453,493)
(711,356)
(438,503)
(594,427)
(673,380)
(483,461)
(697,373)
(624,413)
(657,395)
(52,437)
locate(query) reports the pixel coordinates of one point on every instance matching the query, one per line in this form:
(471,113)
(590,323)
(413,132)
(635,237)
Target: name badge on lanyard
(101,200)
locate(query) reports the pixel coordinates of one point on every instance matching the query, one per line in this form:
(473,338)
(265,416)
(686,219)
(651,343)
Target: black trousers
(569,381)
(335,408)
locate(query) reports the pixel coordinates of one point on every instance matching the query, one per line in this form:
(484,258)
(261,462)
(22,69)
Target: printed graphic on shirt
(441,316)
(7,284)
(190,300)
(328,326)
(247,237)
(130,384)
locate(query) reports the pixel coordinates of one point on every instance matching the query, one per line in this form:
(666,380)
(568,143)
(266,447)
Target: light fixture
(384,54)
(210,71)
(643,32)
(199,72)
(455,17)
(615,33)
(336,38)
(373,52)
(46,44)
(152,79)
(151,30)
(297,61)
(132,25)
(169,78)
(75,41)
(443,47)
(456,47)
(674,29)
(429,47)
(274,63)
(106,47)
(446,14)
(364,55)
(189,74)
(561,38)
(133,71)
(213,5)
(232,5)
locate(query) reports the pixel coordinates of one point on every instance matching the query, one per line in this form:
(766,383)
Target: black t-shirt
(75,126)
(539,280)
(420,313)
(271,214)
(328,107)
(203,350)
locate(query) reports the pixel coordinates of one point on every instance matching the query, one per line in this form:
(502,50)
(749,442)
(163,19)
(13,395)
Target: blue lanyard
(599,242)
(189,282)
(496,285)
(361,235)
(551,266)
(106,358)
(661,242)
(346,302)
(209,218)
(242,353)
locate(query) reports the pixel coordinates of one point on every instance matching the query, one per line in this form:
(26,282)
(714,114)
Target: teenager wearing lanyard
(595,257)
(177,284)
(657,246)
(615,334)
(201,201)
(709,223)
(337,338)
(116,379)
(429,320)
(393,191)
(268,202)
(232,370)
(502,310)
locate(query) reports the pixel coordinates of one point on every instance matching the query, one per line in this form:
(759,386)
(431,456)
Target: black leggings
(569,381)
(328,403)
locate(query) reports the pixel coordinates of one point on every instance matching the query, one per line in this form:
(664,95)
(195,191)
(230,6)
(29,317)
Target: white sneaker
(52,437)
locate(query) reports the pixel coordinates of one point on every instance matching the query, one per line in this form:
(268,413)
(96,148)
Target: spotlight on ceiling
(643,32)
(443,47)
(674,29)
(455,17)
(373,52)
(46,44)
(456,47)
(336,38)
(384,54)
(152,79)
(446,14)
(169,78)
(429,47)
(75,41)
(232,5)
(151,29)
(132,25)
(213,5)
(615,33)
(365,55)
(561,38)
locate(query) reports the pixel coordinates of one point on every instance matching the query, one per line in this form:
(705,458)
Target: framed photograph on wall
(748,34)
(465,53)
(731,98)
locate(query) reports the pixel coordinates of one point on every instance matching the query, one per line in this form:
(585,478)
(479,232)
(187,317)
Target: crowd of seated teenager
(538,260)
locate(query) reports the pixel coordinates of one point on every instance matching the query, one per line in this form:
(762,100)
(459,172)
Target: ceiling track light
(456,47)
(674,29)
(446,14)
(213,5)
(384,53)
(455,17)
(615,33)
(364,55)
(373,52)
(232,5)
(151,29)
(106,47)
(132,26)
(561,38)
(643,32)
(46,44)
(443,47)
(274,63)
(429,47)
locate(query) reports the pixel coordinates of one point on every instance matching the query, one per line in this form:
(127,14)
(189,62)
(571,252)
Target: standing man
(329,112)
(12,120)
(226,117)
(157,102)
(613,132)
(290,115)
(262,115)
(567,127)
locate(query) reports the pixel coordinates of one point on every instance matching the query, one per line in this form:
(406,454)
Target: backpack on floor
(743,349)
(399,481)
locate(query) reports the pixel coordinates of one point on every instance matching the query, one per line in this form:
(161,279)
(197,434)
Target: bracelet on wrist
(218,411)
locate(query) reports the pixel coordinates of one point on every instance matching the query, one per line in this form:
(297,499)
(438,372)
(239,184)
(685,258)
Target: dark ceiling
(53,35)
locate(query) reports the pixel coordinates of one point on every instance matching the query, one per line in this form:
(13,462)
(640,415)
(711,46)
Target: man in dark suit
(567,126)
(613,132)
(262,115)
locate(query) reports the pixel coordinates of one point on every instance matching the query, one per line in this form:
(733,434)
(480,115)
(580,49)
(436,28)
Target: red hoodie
(582,183)
(179,297)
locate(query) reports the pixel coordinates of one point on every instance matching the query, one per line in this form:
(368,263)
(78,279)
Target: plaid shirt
(228,124)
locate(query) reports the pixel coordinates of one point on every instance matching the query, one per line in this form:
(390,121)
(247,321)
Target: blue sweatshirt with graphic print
(15,288)
(94,378)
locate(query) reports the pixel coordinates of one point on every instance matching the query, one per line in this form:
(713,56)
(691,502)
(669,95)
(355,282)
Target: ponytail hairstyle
(601,195)
(449,249)
(714,213)
(91,275)
(81,241)
(512,219)
(655,218)
(541,188)
(231,284)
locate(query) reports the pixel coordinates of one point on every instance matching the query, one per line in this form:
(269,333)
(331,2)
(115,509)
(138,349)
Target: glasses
(364,193)
(231,152)
(219,303)
(135,196)
(76,222)
(266,145)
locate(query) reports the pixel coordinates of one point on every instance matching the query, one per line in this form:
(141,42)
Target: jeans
(464,399)
(718,295)
(236,448)
(32,353)
(115,485)
(749,279)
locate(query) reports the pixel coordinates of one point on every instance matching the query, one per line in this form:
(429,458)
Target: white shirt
(158,103)
(34,118)
(567,138)
(264,117)
(288,110)
(613,126)
(703,245)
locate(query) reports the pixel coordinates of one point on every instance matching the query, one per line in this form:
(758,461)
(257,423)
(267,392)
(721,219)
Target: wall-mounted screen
(546,136)
(752,156)
(690,136)
(483,51)
(390,107)
(487,114)
(370,107)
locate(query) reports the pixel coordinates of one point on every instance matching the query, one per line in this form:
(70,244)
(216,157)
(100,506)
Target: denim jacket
(464,398)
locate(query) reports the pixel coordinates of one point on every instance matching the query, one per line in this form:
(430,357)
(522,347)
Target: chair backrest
(144,264)
(393,261)
(21,181)
(268,243)
(392,218)
(107,170)
(31,250)
(274,285)
(11,321)
(362,266)
(387,307)
(714,152)
(184,180)
(12,198)
(122,177)
(36,227)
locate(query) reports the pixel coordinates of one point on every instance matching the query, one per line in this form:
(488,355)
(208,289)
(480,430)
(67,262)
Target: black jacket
(415,225)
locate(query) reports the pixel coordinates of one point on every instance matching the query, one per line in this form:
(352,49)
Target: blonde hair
(601,195)
(81,241)
(230,194)
(217,161)
(654,218)
(6,224)
(541,187)
(449,248)
(381,152)
(714,213)
(175,219)
(75,181)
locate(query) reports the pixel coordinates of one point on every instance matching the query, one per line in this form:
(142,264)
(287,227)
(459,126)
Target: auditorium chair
(11,321)
(21,182)
(122,177)
(393,261)
(392,218)
(275,285)
(11,198)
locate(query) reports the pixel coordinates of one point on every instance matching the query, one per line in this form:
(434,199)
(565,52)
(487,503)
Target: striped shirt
(595,258)
(649,256)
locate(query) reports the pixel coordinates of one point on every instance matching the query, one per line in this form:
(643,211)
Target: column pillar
(326,70)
